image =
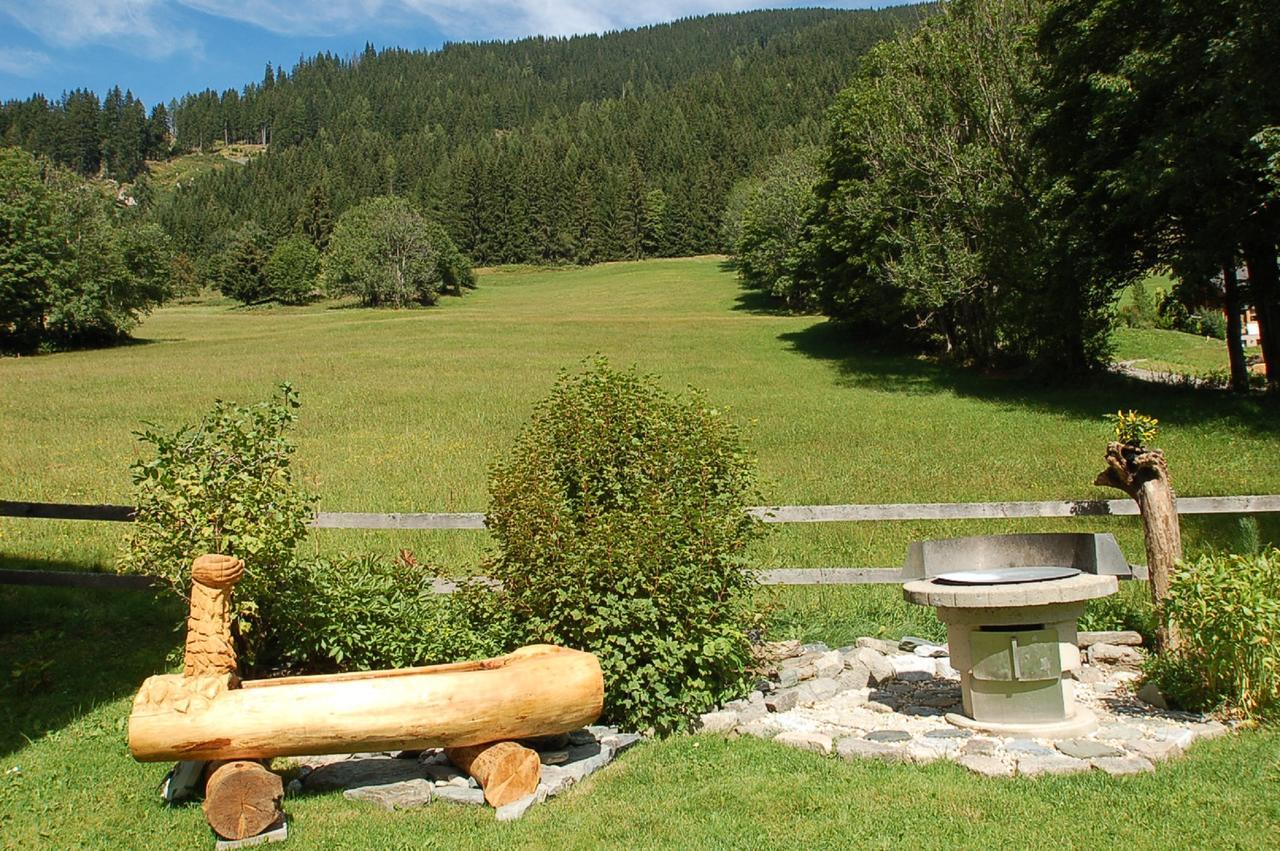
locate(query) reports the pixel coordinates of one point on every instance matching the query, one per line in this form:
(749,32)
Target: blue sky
(164,48)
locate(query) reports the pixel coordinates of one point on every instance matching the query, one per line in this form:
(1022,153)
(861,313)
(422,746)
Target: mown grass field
(404,411)
(1174,352)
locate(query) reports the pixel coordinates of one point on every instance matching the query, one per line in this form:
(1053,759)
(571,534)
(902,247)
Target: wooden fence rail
(1258,504)
(768,513)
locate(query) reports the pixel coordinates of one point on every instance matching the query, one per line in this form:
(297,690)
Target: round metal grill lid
(1006,575)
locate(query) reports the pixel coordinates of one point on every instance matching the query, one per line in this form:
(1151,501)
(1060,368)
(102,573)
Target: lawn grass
(405,411)
(1174,352)
(74,785)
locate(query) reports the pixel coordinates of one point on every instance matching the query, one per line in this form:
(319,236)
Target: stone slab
(455,795)
(888,736)
(985,764)
(815,742)
(278,832)
(517,809)
(1119,766)
(855,748)
(1088,749)
(1124,638)
(1036,765)
(719,722)
(394,796)
(783,700)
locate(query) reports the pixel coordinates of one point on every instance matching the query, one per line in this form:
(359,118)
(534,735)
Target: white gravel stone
(829,664)
(816,742)
(719,722)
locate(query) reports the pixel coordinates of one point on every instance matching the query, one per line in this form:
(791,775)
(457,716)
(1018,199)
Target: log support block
(506,771)
(242,799)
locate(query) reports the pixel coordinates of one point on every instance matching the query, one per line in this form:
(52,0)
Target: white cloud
(139,26)
(22,62)
(479,19)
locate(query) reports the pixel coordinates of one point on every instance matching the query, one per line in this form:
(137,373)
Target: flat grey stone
(787,677)
(762,728)
(980,746)
(829,664)
(783,700)
(753,712)
(369,771)
(904,667)
(1028,747)
(1115,654)
(581,737)
(984,764)
(1155,750)
(555,780)
(819,689)
(1123,638)
(441,773)
(878,644)
(599,731)
(1088,674)
(553,757)
(815,647)
(183,781)
(856,675)
(1119,732)
(854,748)
(1180,736)
(815,742)
(888,736)
(558,742)
(919,711)
(517,809)
(278,832)
(1034,766)
(394,796)
(719,722)
(460,796)
(948,733)
(619,742)
(579,769)
(1087,749)
(1121,765)
(1208,729)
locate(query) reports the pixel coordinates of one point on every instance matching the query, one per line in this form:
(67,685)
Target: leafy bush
(242,267)
(1210,323)
(292,270)
(621,531)
(361,613)
(1227,610)
(1127,609)
(225,486)
(387,253)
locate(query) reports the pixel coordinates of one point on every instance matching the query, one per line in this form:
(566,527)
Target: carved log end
(217,571)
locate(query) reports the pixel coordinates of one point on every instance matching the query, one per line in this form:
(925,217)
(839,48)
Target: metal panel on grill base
(1016,676)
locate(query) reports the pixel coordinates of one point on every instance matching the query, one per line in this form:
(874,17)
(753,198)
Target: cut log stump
(242,799)
(506,771)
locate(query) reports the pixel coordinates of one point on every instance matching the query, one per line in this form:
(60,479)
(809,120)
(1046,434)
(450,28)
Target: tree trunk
(242,799)
(1264,287)
(505,771)
(1144,476)
(1235,346)
(534,691)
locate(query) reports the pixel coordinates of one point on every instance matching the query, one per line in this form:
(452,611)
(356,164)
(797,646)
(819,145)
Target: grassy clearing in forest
(404,411)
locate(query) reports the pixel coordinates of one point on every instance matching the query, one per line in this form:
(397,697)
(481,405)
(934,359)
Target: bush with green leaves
(364,613)
(226,486)
(1134,428)
(1227,612)
(619,518)
(292,270)
(387,253)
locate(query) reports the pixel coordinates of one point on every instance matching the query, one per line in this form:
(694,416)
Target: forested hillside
(543,150)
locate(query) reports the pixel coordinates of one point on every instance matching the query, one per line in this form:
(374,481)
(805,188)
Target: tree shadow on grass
(874,365)
(63,651)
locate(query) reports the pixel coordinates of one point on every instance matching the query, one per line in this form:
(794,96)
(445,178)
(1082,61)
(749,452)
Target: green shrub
(1127,609)
(362,613)
(292,270)
(1134,428)
(621,531)
(225,486)
(1210,323)
(1227,610)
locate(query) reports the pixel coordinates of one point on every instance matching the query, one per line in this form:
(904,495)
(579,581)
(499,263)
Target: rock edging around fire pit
(887,700)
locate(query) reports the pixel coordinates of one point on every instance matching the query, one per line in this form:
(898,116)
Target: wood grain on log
(242,799)
(534,691)
(506,771)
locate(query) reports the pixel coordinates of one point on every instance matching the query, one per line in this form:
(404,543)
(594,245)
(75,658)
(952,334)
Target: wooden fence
(769,514)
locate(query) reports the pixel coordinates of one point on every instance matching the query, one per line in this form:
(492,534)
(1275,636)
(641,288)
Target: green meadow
(405,411)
